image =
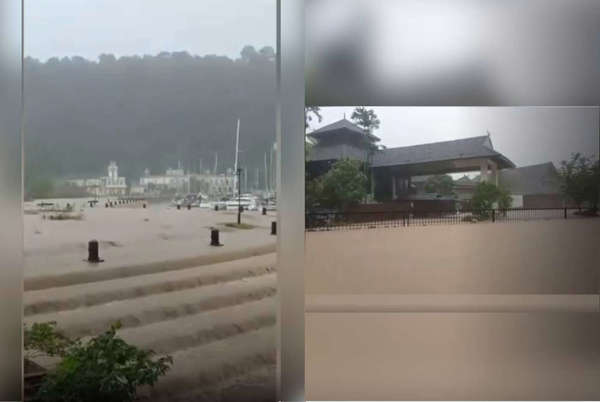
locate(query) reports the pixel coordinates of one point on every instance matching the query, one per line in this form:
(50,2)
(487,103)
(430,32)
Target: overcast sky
(124,27)
(525,135)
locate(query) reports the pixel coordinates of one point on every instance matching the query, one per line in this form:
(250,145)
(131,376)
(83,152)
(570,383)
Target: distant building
(533,186)
(173,180)
(392,170)
(110,185)
(176,180)
(216,185)
(113,184)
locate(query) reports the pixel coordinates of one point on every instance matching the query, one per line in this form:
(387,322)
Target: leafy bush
(103,369)
(487,196)
(343,185)
(581,180)
(441,184)
(44,339)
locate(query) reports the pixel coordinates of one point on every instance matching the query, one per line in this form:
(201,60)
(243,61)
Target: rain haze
(65,28)
(526,135)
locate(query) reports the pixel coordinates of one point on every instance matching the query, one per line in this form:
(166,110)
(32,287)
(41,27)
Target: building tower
(113,172)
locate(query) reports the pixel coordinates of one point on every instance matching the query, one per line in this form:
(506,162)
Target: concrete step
(97,293)
(83,272)
(211,366)
(160,307)
(192,331)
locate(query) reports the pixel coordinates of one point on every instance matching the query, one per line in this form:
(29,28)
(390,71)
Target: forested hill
(147,111)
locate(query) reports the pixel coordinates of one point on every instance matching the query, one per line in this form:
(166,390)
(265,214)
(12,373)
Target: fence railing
(368,219)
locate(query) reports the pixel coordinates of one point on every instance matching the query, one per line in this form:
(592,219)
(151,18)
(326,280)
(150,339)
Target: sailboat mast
(237,145)
(266,176)
(235,166)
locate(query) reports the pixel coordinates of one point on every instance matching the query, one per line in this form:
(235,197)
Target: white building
(216,185)
(173,179)
(111,184)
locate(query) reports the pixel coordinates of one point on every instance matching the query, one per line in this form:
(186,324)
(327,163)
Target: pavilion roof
(465,148)
(342,127)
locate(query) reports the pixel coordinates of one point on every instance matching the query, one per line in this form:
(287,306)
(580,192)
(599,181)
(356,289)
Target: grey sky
(526,135)
(123,27)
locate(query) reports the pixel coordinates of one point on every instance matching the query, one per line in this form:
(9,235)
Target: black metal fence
(316,221)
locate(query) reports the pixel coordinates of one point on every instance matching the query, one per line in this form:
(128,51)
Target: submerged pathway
(216,320)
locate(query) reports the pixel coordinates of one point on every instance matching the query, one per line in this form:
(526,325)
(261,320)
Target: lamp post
(239,174)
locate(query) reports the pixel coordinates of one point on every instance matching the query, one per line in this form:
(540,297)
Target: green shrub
(488,196)
(44,339)
(103,369)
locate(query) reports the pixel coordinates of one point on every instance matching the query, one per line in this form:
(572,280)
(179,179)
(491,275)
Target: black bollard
(189,206)
(106,205)
(274,227)
(178,207)
(264,210)
(214,237)
(216,207)
(144,206)
(93,255)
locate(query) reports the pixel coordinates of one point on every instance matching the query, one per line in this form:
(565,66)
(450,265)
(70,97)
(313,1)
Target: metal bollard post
(264,210)
(178,207)
(214,237)
(216,207)
(144,205)
(93,255)
(274,227)
(189,206)
(565,213)
(493,215)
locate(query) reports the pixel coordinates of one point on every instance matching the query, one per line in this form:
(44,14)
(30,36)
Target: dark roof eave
(508,162)
(321,134)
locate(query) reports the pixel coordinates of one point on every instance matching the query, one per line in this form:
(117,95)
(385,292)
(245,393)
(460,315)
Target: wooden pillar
(372,184)
(484,170)
(394,194)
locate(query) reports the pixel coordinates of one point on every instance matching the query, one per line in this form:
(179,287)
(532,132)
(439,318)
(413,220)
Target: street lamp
(239,216)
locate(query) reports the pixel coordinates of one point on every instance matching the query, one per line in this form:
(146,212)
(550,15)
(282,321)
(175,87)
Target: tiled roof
(341,125)
(534,179)
(473,147)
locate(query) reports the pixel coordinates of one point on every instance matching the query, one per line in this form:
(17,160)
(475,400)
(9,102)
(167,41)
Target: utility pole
(271,170)
(266,176)
(239,216)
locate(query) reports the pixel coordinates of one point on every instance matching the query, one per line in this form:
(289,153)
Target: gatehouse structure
(391,170)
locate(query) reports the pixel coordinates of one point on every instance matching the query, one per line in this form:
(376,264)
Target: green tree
(314,193)
(310,113)
(488,196)
(44,339)
(103,369)
(365,119)
(440,184)
(581,180)
(343,185)
(38,186)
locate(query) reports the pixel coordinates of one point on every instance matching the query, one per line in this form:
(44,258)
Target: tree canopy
(343,185)
(365,118)
(488,196)
(581,180)
(147,111)
(441,184)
